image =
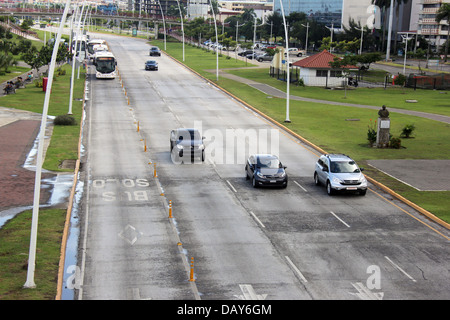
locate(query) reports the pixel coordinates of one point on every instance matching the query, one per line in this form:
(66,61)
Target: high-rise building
(324,11)
(434,32)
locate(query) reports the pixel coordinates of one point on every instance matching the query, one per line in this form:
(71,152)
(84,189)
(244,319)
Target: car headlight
(282,174)
(337,180)
(179,146)
(259,174)
(363,179)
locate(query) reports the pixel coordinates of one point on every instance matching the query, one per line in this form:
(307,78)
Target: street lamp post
(217,41)
(287,63)
(237,37)
(164,24)
(331,30)
(391,13)
(182,28)
(306,44)
(37,185)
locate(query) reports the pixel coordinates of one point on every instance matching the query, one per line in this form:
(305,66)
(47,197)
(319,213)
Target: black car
(245,53)
(151,65)
(154,51)
(187,143)
(266,170)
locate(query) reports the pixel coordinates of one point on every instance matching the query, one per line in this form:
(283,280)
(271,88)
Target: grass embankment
(328,126)
(15,234)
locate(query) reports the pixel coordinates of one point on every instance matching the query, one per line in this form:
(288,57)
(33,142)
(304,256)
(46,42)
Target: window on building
(322,73)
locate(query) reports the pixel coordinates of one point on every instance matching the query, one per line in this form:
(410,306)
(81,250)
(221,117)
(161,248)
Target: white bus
(79,46)
(105,65)
(91,44)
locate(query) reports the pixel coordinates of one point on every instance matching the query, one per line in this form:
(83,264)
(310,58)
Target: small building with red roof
(316,71)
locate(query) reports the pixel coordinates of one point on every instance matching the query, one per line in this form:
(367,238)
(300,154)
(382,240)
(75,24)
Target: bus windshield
(105,64)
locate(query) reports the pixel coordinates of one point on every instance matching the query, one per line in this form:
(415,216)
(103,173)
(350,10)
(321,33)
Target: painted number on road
(126,184)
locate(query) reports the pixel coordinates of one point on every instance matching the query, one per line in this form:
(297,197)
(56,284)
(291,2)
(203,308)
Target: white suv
(339,172)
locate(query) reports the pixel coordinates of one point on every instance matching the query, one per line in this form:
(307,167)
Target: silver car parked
(339,172)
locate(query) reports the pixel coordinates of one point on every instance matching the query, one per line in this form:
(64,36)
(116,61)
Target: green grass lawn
(15,234)
(327,126)
(64,142)
(432,101)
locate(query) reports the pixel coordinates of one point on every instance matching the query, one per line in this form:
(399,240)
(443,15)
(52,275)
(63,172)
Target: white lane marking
(364,293)
(300,186)
(400,269)
(249,293)
(231,186)
(257,220)
(339,219)
(297,271)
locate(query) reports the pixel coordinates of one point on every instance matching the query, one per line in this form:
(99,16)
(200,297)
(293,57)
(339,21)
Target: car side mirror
(203,138)
(361,169)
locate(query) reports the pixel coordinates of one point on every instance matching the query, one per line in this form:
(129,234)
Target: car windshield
(151,62)
(344,167)
(189,135)
(268,162)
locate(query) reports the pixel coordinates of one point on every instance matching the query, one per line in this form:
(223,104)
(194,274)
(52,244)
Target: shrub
(400,80)
(395,143)
(372,132)
(407,130)
(64,120)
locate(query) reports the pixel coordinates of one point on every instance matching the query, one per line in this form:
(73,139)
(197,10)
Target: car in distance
(264,57)
(187,143)
(245,53)
(151,65)
(266,170)
(339,172)
(154,51)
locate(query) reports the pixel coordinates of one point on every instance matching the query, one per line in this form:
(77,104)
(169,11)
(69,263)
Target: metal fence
(435,82)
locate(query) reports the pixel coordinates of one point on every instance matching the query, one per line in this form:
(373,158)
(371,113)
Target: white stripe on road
(256,218)
(400,269)
(300,186)
(231,186)
(296,270)
(339,219)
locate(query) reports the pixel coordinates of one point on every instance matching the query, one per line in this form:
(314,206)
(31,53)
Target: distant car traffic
(151,65)
(187,143)
(264,57)
(154,51)
(245,53)
(339,172)
(266,170)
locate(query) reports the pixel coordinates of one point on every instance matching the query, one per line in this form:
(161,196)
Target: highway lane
(293,243)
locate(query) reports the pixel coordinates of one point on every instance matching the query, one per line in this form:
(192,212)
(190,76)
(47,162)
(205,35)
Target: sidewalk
(274,92)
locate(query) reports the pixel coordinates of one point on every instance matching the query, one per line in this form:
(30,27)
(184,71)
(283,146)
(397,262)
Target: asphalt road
(246,243)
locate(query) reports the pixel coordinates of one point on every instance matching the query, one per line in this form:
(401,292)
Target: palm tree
(444,14)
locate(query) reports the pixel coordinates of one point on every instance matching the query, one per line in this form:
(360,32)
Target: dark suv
(266,170)
(339,172)
(186,143)
(154,51)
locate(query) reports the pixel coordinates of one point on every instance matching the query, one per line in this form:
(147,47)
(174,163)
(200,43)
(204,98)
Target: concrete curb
(371,180)
(65,235)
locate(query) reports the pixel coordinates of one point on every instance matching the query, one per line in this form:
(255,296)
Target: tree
(444,14)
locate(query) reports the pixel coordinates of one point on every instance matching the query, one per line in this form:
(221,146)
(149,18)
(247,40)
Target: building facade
(434,32)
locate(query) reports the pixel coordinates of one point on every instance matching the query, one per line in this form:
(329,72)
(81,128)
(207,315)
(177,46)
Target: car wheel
(260,60)
(203,156)
(330,190)
(254,183)
(299,55)
(316,179)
